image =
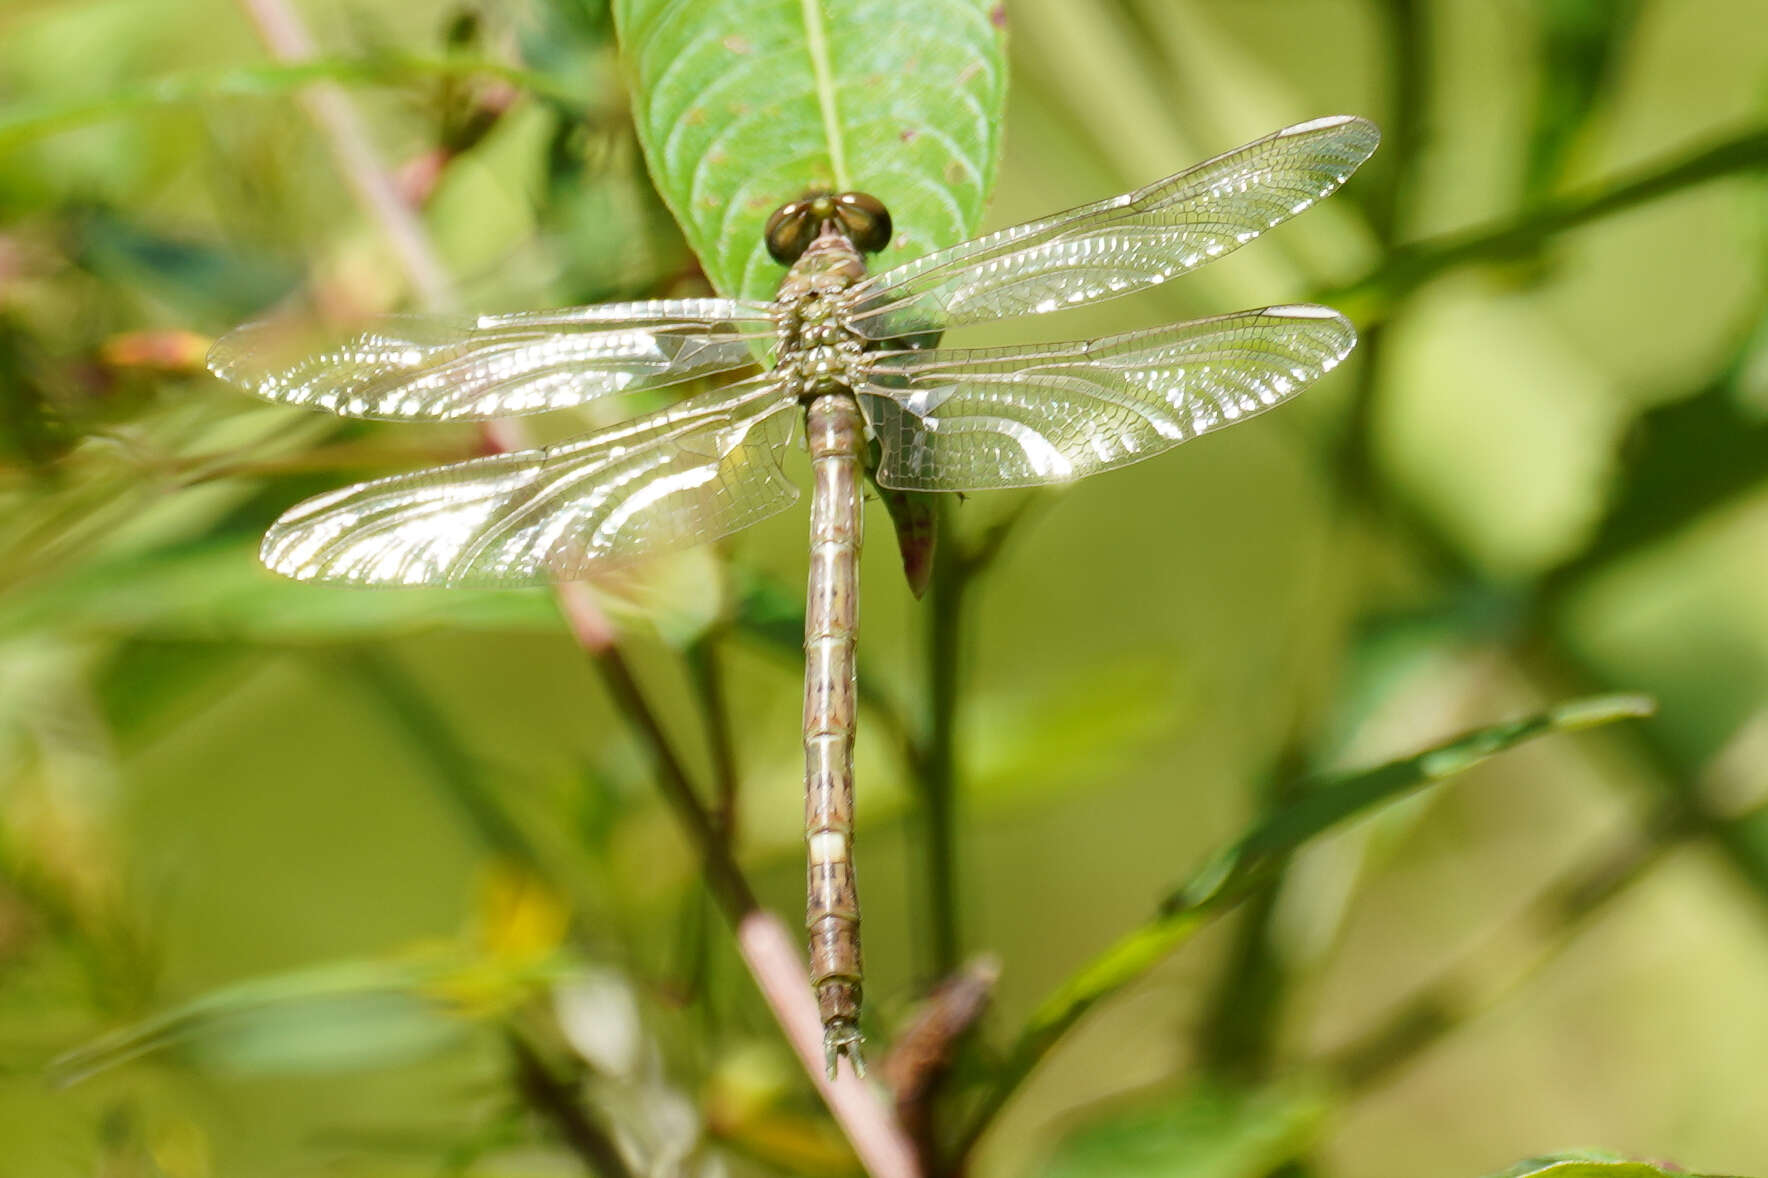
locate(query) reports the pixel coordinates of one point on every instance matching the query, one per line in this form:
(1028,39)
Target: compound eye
(864,219)
(790,231)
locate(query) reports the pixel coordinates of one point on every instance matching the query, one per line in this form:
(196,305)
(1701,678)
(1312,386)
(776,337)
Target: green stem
(938,757)
(956,571)
(708,678)
(1411,266)
(556,1099)
(723,876)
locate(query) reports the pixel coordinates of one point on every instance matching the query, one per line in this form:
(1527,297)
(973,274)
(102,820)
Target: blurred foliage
(296,880)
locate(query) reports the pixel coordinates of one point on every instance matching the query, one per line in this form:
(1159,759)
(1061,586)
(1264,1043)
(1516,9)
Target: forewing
(462,367)
(1123,244)
(700,469)
(972,420)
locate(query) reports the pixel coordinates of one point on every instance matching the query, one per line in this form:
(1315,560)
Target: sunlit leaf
(1339,798)
(742,107)
(1592,1164)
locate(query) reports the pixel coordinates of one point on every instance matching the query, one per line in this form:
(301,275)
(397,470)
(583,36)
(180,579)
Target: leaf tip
(1602,709)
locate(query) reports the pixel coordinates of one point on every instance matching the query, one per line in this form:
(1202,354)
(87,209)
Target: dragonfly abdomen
(836,435)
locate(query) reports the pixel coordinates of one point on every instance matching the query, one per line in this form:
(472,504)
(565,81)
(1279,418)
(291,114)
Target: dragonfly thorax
(827,359)
(818,352)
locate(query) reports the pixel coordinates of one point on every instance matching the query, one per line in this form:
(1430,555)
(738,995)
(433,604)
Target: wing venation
(978,419)
(464,367)
(692,472)
(1122,244)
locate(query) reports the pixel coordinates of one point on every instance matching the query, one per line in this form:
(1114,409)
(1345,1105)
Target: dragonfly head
(856,216)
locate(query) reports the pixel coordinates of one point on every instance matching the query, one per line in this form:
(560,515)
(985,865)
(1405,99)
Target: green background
(1553,481)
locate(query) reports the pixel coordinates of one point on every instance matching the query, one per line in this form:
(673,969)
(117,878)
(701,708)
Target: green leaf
(1407,268)
(1592,1164)
(1685,458)
(1319,807)
(1232,875)
(360,1013)
(345,1015)
(1205,1132)
(744,106)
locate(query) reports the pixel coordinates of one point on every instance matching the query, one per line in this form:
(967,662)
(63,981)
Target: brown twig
(926,1047)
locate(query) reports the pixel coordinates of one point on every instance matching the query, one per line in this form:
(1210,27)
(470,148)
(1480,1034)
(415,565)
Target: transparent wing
(695,471)
(452,367)
(972,420)
(1126,243)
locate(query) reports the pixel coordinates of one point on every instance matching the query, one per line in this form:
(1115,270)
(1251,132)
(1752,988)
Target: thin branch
(1411,266)
(729,887)
(921,1059)
(937,757)
(956,570)
(556,1099)
(287,38)
(708,681)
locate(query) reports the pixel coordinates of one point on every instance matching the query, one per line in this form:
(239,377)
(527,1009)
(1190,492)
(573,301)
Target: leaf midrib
(816,43)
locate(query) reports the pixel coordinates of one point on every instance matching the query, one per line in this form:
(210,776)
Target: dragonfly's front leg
(836,435)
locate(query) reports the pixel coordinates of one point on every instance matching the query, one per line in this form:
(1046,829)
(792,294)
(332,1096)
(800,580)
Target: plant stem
(732,891)
(555,1099)
(952,571)
(708,679)
(1411,266)
(281,29)
(956,570)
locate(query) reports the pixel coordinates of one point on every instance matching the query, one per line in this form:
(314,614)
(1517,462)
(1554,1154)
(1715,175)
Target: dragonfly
(857,357)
